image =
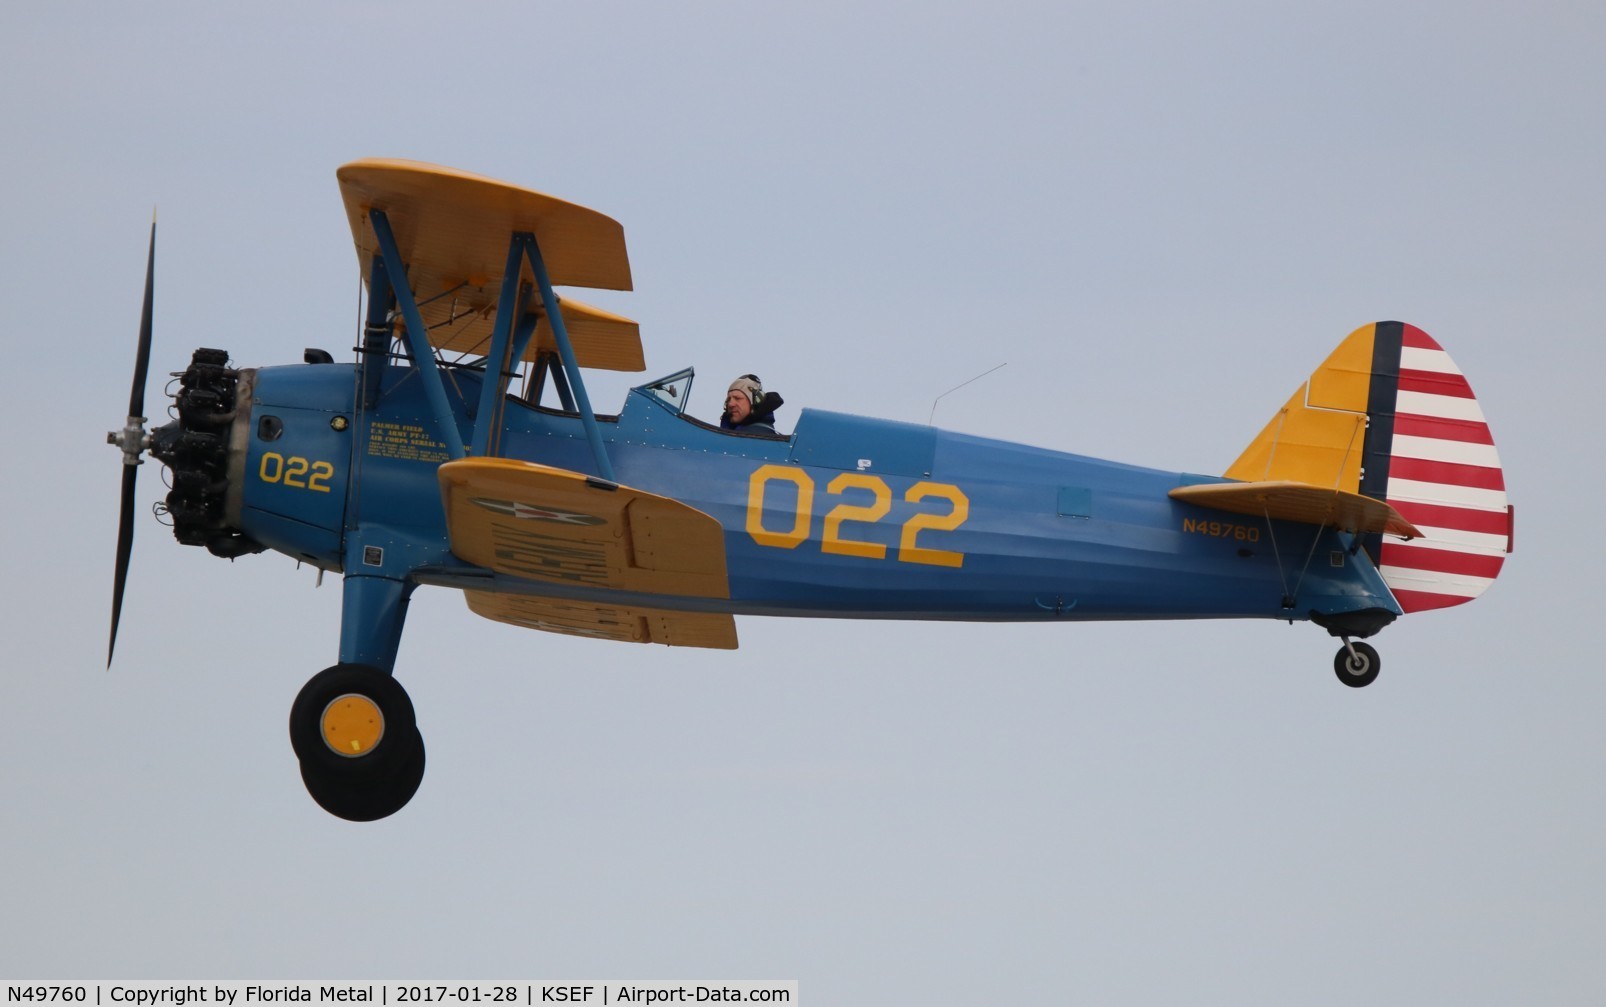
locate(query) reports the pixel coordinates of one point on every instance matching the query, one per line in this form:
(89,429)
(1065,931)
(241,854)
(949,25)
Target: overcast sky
(1160,216)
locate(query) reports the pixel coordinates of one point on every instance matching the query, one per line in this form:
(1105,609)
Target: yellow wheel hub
(352,725)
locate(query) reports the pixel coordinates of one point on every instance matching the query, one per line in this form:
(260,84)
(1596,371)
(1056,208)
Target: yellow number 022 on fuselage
(295,472)
(866,509)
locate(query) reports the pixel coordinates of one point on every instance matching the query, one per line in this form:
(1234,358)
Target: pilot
(748,407)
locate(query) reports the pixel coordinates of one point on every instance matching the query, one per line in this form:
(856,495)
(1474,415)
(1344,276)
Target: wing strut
(511,306)
(376,332)
(508,307)
(418,336)
(507,343)
(560,333)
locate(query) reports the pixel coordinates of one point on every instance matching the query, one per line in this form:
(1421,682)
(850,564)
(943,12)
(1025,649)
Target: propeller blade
(125,547)
(142,359)
(135,428)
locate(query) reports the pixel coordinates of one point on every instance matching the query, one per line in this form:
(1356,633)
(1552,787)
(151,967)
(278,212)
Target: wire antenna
(956,388)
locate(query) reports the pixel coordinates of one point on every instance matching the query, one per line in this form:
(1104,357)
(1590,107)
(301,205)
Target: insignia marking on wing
(530,512)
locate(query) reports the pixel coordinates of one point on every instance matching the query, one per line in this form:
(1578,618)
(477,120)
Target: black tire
(306,733)
(1359,671)
(367,798)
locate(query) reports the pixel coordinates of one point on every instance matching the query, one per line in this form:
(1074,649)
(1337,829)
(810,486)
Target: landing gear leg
(352,725)
(1356,664)
(372,613)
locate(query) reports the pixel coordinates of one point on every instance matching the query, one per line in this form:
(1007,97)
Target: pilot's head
(745,392)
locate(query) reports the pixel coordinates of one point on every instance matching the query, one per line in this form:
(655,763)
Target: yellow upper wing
(453,227)
(600,338)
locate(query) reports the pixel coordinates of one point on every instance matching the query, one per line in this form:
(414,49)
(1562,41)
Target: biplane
(460,449)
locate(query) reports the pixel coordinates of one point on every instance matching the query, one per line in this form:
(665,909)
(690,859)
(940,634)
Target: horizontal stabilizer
(1295,501)
(713,630)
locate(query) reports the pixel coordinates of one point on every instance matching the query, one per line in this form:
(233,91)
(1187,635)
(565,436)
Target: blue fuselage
(846,517)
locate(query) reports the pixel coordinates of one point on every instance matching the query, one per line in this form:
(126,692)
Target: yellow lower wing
(1294,501)
(715,630)
(553,526)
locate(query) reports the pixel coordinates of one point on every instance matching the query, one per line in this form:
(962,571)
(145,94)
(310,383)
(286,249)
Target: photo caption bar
(389,993)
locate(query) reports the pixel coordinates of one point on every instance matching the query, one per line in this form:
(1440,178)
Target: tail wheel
(352,728)
(1359,669)
(367,799)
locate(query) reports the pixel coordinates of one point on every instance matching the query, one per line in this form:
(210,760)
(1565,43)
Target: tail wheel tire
(1358,670)
(352,720)
(368,797)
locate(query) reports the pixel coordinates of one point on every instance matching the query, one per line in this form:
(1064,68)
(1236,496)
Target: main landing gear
(1356,664)
(352,727)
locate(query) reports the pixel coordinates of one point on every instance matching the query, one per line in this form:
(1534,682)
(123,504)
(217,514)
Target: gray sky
(1162,217)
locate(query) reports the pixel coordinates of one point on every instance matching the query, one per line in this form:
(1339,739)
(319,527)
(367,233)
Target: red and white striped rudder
(1444,476)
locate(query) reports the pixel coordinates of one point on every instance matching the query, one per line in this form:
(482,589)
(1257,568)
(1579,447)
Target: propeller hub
(132,440)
